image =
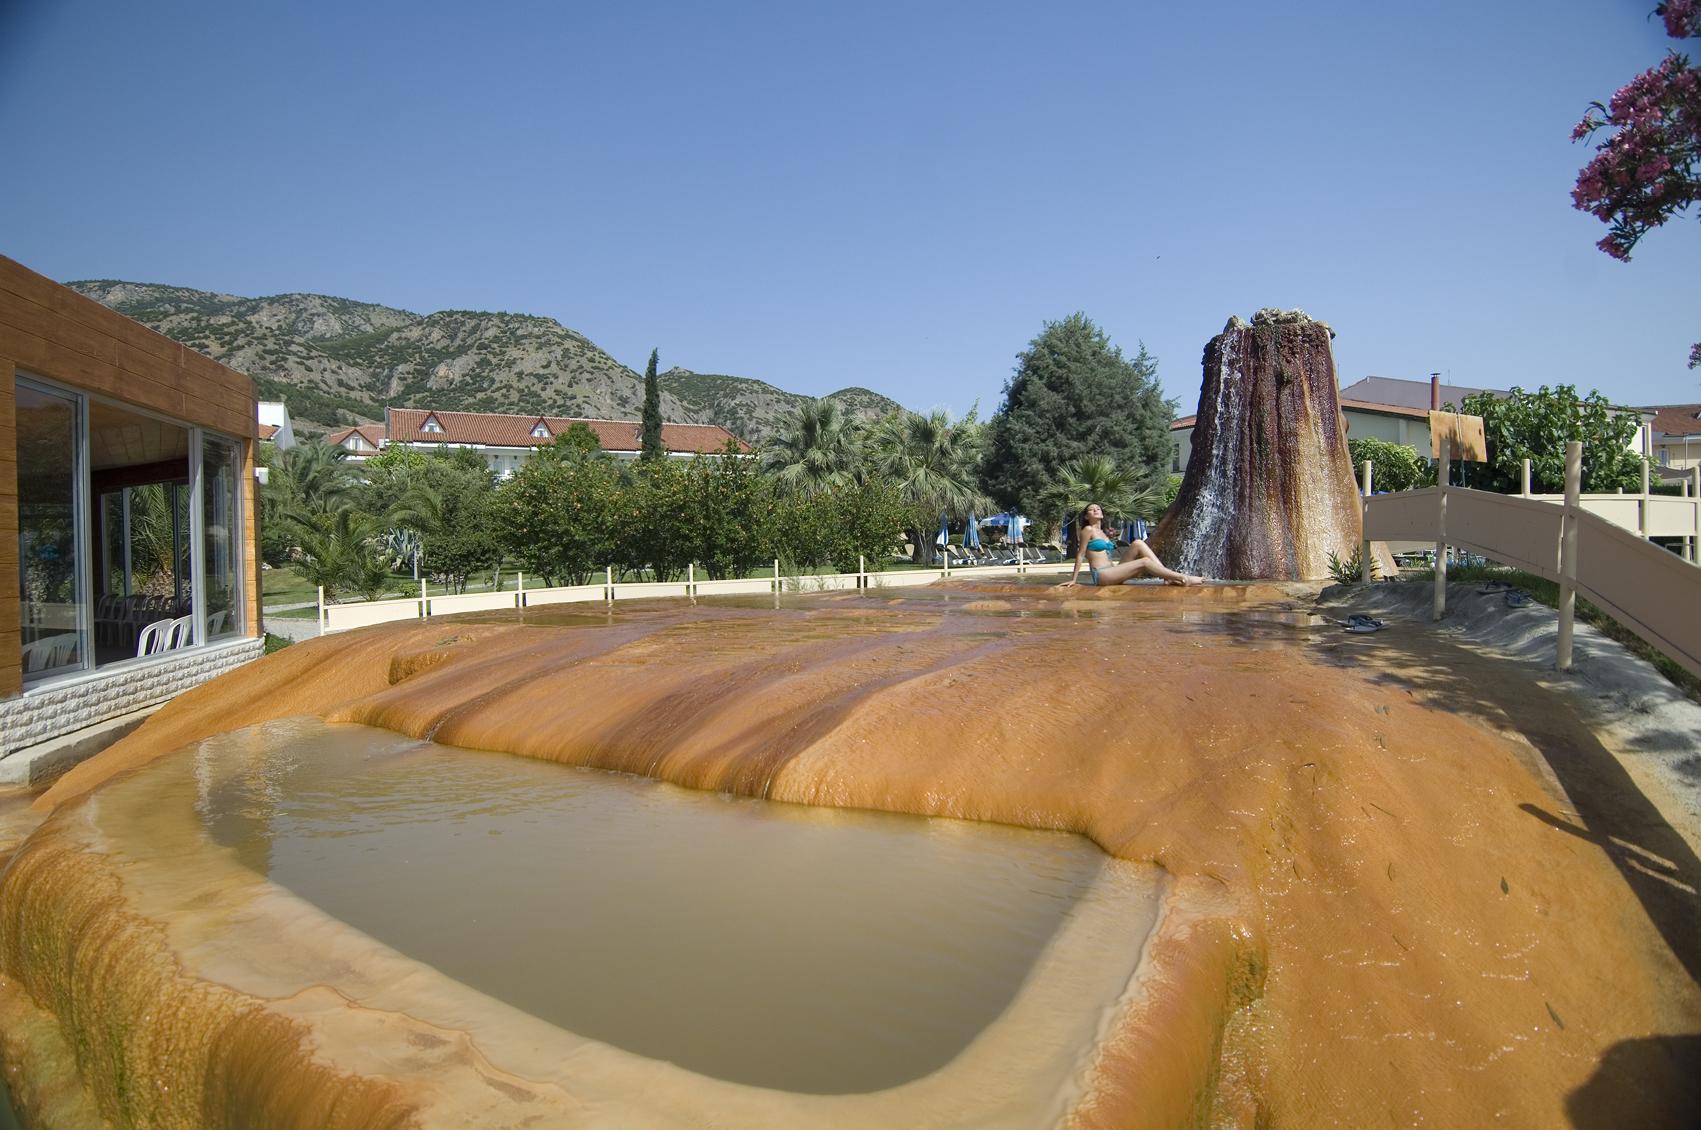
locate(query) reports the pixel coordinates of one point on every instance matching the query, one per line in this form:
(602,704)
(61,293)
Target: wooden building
(129,549)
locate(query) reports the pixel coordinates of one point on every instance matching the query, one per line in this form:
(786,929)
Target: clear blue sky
(889,195)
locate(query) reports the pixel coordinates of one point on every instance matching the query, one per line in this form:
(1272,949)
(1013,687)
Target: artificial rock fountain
(1268,493)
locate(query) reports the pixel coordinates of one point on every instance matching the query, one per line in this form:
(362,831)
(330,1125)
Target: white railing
(1582,545)
(365,613)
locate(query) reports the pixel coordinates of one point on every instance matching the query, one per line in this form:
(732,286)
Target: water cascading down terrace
(1269,492)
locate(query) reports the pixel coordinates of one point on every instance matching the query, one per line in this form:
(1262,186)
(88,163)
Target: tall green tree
(1074,394)
(558,517)
(1536,426)
(931,462)
(651,446)
(820,449)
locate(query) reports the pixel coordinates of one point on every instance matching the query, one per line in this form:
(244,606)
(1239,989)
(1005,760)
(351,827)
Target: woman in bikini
(1093,549)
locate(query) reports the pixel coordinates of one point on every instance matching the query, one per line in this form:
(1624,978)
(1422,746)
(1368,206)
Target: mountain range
(337,361)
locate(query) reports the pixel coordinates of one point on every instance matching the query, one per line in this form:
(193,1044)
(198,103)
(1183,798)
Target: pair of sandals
(1515,597)
(1360,624)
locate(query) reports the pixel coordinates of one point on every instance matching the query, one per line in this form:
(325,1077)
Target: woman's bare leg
(1140,555)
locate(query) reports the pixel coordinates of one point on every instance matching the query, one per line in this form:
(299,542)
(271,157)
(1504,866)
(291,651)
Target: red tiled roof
(267,431)
(500,430)
(1675,419)
(371,433)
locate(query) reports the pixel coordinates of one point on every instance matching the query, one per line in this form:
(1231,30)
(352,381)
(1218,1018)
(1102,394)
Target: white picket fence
(365,613)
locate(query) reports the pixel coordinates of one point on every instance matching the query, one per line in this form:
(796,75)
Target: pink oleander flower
(1682,18)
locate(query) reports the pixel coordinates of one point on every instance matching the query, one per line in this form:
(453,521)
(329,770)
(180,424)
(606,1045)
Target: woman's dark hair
(1073,543)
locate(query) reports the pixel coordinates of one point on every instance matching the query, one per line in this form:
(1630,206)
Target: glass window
(119,558)
(139,483)
(54,620)
(221,536)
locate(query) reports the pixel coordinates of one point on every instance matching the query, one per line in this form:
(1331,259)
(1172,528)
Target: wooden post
(1365,566)
(1647,453)
(1568,551)
(1695,493)
(1525,488)
(1440,607)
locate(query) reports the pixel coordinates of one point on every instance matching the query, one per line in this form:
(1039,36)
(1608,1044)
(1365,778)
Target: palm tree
(819,450)
(932,463)
(311,478)
(341,550)
(1100,479)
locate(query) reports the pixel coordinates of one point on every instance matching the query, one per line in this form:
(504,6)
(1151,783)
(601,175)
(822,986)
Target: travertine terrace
(1394,892)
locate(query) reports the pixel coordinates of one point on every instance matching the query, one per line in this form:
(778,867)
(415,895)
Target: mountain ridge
(336,361)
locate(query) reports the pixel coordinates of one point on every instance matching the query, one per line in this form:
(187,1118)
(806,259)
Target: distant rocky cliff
(336,361)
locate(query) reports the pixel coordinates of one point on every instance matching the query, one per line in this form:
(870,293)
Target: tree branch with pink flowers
(1647,167)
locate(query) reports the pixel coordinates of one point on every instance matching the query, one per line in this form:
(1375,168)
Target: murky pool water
(799,948)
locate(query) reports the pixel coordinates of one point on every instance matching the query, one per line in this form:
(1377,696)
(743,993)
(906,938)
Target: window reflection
(139,477)
(51,614)
(219,468)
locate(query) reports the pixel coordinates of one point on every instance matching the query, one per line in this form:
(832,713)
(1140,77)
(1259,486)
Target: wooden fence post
(1647,458)
(1695,493)
(1365,565)
(1568,552)
(1440,607)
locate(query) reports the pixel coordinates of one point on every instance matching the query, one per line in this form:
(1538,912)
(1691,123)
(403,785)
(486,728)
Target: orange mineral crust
(1386,907)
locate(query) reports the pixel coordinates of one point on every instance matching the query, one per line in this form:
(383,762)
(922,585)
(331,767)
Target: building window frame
(83,504)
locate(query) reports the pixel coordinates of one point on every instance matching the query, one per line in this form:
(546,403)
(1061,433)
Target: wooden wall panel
(61,335)
(11,655)
(251,547)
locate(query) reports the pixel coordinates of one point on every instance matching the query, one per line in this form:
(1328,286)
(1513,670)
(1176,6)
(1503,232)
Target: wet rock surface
(1268,493)
(1410,884)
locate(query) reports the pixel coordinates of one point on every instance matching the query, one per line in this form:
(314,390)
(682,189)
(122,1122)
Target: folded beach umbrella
(944,537)
(971,533)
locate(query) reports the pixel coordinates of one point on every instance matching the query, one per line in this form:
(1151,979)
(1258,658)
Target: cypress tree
(1074,394)
(651,447)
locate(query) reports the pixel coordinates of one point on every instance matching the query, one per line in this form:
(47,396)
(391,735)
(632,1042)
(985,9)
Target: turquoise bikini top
(1101,545)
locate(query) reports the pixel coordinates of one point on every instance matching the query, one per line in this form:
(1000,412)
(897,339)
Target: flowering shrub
(1648,168)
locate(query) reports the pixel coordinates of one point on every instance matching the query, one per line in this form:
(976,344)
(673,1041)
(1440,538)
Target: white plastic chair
(49,652)
(181,633)
(153,638)
(215,623)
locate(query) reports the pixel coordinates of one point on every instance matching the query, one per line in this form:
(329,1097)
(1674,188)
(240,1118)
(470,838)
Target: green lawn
(283,586)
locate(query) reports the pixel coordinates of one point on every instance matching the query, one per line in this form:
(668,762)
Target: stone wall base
(82,702)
